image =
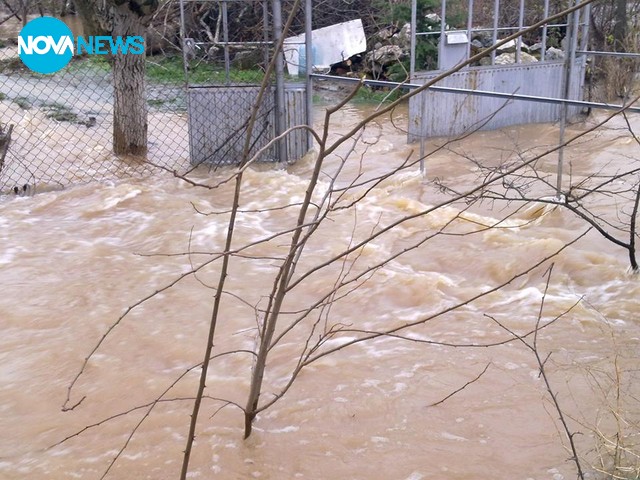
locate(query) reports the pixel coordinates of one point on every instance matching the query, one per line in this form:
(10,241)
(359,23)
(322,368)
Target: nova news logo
(46,45)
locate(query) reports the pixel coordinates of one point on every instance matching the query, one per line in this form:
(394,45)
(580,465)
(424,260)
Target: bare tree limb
(458,390)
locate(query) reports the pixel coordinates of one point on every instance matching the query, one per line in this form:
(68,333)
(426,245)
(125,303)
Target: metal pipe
(183,33)
(423,133)
(225,37)
(570,55)
(500,29)
(412,45)
(545,14)
(520,28)
(234,44)
(443,23)
(613,54)
(308,19)
(494,38)
(265,31)
(586,23)
(469,28)
(483,93)
(280,125)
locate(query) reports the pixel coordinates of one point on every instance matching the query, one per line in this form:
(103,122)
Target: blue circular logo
(45,45)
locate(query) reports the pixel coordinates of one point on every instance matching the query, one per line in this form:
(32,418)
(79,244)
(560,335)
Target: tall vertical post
(443,24)
(412,73)
(308,39)
(545,15)
(412,45)
(469,27)
(183,34)
(569,60)
(280,114)
(494,38)
(225,39)
(265,31)
(520,27)
(586,19)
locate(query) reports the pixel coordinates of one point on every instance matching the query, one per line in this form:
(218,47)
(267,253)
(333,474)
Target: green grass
(88,64)
(170,70)
(160,70)
(368,95)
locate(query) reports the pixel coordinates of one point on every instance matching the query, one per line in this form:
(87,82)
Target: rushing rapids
(73,261)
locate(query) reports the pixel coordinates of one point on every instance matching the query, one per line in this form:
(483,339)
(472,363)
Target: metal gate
(219,112)
(217,137)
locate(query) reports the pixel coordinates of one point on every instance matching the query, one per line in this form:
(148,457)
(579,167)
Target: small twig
(462,387)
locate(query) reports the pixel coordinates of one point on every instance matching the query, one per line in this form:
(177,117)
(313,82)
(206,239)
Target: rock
(475,43)
(247,59)
(386,33)
(214,53)
(433,17)
(554,54)
(484,38)
(511,46)
(510,58)
(403,37)
(386,55)
(536,47)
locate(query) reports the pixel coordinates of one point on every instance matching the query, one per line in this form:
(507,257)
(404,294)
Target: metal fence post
(225,38)
(569,60)
(308,18)
(543,48)
(494,37)
(412,45)
(279,85)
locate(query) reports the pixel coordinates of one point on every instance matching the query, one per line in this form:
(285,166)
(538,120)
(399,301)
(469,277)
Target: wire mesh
(63,122)
(63,125)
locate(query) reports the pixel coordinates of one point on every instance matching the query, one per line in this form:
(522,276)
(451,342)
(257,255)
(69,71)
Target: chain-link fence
(63,124)
(234,42)
(201,86)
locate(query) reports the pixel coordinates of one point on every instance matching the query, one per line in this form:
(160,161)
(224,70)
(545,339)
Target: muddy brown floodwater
(72,261)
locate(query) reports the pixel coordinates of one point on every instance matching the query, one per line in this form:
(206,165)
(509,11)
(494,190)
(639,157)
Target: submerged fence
(199,100)
(200,97)
(64,122)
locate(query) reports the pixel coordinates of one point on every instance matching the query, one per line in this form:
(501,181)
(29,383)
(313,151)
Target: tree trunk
(5,140)
(124,18)
(620,26)
(130,98)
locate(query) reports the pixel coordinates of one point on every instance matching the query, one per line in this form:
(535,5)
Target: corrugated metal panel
(219,116)
(449,114)
(297,141)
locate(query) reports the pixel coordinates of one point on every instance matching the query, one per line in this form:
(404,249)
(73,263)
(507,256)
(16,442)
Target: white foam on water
(379,439)
(415,476)
(123,193)
(287,429)
(451,436)
(8,255)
